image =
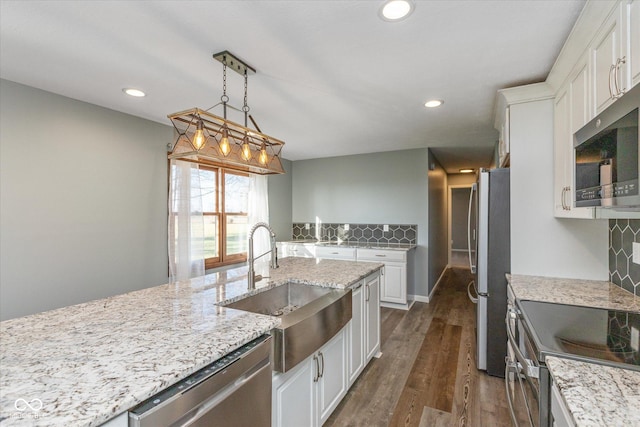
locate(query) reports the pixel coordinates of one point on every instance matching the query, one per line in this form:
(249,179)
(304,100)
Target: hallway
(427,374)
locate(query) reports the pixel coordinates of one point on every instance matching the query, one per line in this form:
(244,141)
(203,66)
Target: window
(224,206)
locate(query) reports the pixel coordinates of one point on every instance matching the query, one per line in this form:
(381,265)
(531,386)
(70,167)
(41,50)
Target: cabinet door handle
(316,376)
(368,293)
(611,78)
(322,370)
(619,90)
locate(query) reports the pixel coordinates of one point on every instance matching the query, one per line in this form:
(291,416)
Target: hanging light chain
(224,98)
(245,107)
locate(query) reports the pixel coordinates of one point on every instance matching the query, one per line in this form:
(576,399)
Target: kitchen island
(88,363)
(594,394)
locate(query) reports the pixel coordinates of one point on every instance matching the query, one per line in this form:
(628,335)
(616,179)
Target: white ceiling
(332,77)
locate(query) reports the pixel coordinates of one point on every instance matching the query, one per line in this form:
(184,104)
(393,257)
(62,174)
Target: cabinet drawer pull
(381,255)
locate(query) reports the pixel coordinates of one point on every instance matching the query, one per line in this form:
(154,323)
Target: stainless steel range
(537,330)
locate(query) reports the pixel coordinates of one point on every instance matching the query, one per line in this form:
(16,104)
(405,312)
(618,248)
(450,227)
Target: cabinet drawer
(336,253)
(382,255)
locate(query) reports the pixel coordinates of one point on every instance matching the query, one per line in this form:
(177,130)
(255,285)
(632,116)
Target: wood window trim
(222,259)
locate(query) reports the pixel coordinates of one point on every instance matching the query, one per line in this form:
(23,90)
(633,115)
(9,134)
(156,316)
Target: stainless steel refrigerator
(490,259)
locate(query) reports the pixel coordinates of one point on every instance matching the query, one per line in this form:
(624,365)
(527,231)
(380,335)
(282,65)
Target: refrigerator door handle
(471,266)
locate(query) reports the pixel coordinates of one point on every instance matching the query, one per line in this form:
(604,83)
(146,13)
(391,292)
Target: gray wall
(378,188)
(83,207)
(438,227)
(280,202)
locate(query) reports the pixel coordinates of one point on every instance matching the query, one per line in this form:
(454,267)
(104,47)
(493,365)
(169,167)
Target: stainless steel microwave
(606,156)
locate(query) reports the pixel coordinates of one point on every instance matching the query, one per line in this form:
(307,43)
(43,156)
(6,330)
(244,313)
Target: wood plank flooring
(427,373)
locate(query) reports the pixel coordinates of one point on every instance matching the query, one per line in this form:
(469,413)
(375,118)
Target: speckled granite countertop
(591,293)
(596,395)
(361,245)
(84,364)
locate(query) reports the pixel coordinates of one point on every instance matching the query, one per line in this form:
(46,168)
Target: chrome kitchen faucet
(274,252)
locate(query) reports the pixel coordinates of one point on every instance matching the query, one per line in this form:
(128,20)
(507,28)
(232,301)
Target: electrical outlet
(307,226)
(635,338)
(385,227)
(346,227)
(636,252)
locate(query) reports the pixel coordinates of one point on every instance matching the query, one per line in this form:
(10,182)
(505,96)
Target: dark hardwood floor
(427,373)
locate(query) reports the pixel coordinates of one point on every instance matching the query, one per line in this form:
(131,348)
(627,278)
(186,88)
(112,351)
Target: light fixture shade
(186,123)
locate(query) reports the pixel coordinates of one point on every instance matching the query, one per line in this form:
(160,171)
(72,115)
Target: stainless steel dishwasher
(232,391)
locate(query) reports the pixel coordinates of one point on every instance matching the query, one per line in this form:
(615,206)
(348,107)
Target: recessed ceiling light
(466,170)
(395,10)
(433,103)
(134,92)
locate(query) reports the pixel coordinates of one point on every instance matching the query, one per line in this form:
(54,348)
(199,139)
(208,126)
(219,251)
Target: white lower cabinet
(393,282)
(372,316)
(356,333)
(308,394)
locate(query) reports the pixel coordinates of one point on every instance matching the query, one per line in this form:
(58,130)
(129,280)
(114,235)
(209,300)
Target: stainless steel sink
(311,316)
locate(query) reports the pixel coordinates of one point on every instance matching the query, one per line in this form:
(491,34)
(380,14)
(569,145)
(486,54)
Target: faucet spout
(252,258)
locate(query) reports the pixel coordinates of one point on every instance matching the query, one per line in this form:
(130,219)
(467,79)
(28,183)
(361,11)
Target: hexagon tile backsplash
(622,270)
(361,233)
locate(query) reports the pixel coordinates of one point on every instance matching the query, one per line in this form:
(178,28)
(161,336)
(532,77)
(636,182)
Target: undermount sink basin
(310,316)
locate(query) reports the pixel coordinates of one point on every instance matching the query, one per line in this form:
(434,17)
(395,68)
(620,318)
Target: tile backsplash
(622,270)
(362,233)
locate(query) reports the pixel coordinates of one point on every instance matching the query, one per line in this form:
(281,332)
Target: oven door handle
(528,367)
(531,370)
(516,369)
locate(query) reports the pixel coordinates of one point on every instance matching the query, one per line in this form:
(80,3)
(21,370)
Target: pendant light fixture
(207,138)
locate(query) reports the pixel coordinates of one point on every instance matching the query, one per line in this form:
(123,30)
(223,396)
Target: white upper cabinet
(633,12)
(606,54)
(571,112)
(598,64)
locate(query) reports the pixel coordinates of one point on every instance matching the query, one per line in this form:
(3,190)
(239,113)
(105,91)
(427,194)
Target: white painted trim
(438,281)
(420,298)
(449,195)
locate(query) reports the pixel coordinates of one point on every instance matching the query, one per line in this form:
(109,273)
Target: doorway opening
(458,225)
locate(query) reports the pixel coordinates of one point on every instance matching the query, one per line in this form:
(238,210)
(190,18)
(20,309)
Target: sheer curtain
(259,212)
(186,222)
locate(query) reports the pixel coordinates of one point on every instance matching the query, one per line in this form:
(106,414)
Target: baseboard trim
(420,298)
(438,282)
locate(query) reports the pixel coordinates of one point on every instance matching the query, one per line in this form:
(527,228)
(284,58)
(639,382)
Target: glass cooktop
(608,337)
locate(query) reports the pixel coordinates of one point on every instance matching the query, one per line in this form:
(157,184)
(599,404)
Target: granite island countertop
(85,364)
(594,394)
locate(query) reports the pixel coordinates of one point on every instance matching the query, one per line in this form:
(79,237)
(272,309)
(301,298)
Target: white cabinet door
(608,73)
(633,10)
(394,283)
(571,112)
(560,136)
(372,315)
(332,382)
(356,333)
(294,396)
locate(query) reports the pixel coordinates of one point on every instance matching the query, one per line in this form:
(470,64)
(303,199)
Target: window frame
(222,259)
